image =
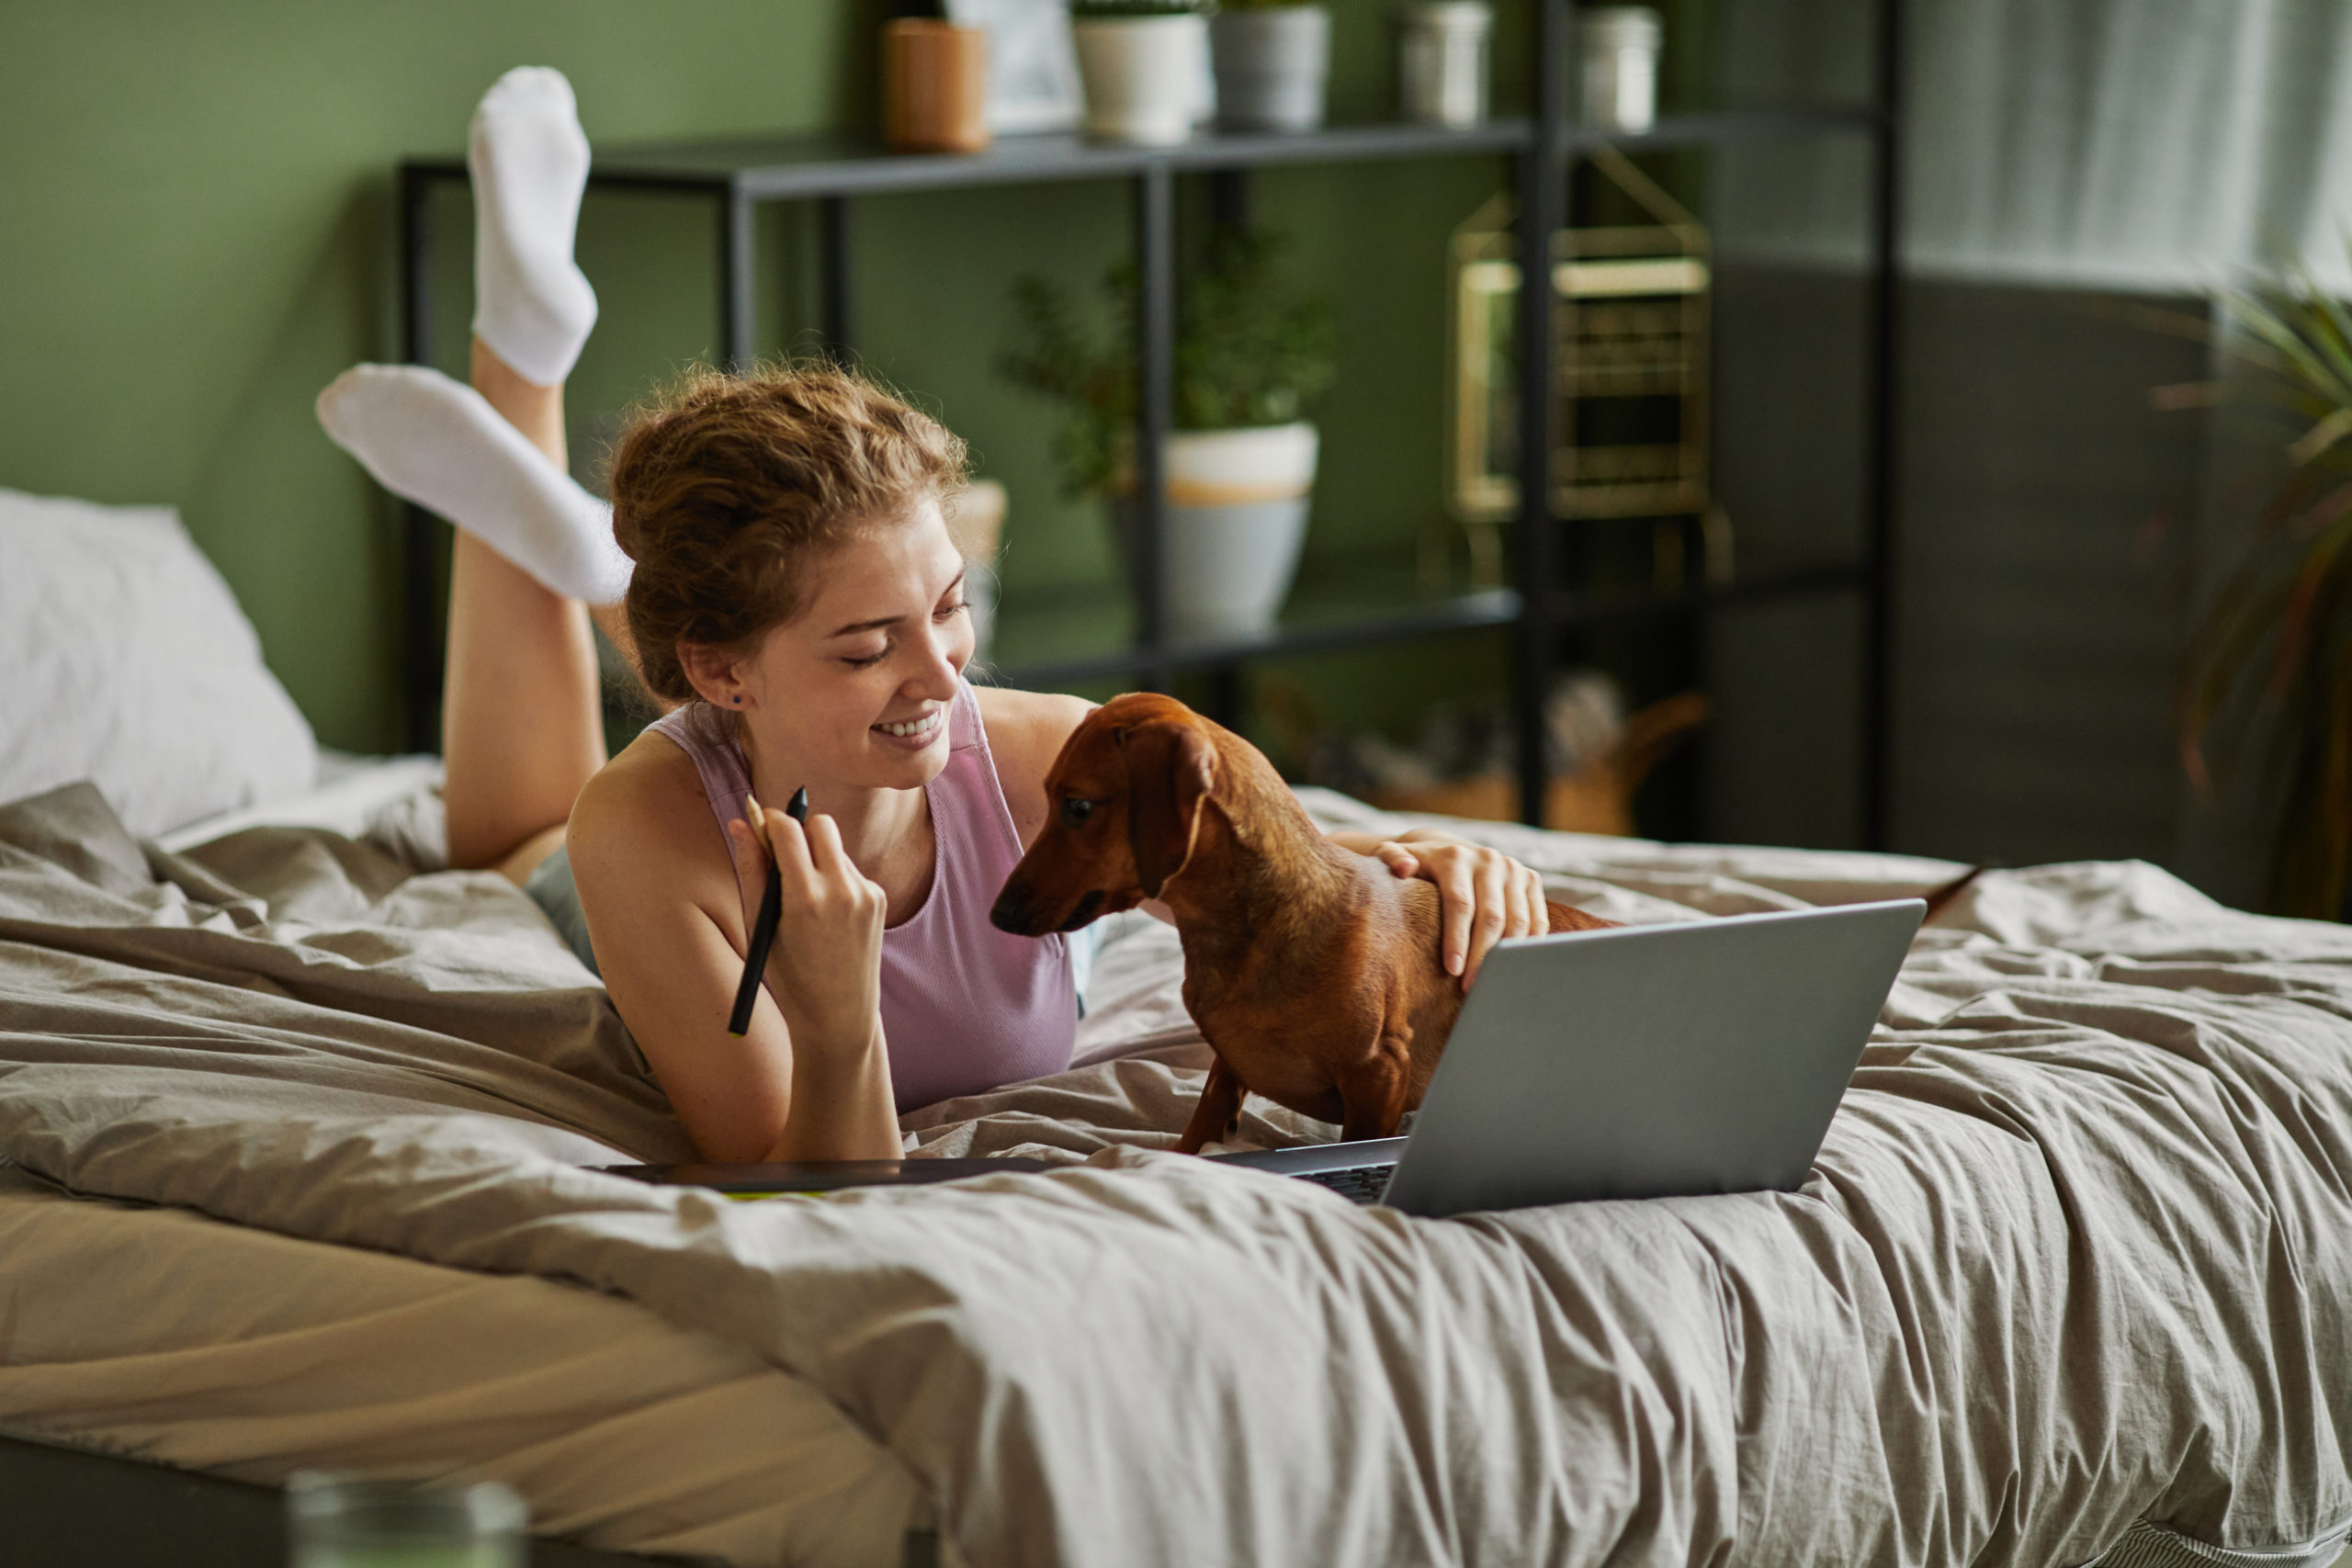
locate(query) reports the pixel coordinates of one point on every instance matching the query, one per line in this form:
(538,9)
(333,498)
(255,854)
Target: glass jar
(1617,48)
(337,1521)
(1442,61)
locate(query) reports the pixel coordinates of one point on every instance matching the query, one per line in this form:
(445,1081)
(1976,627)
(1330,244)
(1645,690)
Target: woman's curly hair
(725,486)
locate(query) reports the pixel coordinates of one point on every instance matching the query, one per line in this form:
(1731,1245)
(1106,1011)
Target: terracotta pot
(934,86)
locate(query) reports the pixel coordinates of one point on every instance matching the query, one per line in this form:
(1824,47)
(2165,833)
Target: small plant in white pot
(1273,57)
(1250,357)
(1140,62)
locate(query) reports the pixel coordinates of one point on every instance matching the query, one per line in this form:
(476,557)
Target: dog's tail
(1938,897)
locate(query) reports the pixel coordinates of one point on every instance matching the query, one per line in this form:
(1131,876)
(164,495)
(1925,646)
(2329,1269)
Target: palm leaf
(2312,576)
(2271,664)
(2305,358)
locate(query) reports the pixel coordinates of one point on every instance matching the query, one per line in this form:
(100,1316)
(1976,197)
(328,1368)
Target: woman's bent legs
(521,722)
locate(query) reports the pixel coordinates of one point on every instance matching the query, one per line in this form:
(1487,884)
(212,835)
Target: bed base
(69,1509)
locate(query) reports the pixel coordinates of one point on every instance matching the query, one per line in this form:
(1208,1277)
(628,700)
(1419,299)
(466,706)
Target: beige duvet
(2070,1278)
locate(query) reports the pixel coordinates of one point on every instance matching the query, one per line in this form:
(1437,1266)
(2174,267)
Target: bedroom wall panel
(194,229)
(2047,514)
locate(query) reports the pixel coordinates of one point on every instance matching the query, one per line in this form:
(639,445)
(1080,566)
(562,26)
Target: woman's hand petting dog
(1483,896)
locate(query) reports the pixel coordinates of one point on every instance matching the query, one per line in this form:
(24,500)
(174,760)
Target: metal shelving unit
(830,172)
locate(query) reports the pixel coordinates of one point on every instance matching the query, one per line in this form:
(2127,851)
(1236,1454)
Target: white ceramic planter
(1442,64)
(1237,504)
(1271,67)
(1142,75)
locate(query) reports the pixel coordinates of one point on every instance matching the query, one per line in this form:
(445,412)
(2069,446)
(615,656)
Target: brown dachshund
(1314,972)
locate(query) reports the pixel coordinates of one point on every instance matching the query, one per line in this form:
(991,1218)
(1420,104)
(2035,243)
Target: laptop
(1636,1062)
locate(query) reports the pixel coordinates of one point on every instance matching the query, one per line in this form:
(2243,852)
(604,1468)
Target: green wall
(196,235)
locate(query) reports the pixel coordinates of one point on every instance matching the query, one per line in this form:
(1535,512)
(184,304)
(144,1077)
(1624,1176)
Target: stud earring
(738,702)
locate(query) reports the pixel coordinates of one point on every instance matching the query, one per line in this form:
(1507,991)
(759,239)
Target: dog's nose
(1010,912)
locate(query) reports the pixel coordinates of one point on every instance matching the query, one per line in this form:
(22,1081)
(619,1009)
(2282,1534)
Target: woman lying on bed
(787,583)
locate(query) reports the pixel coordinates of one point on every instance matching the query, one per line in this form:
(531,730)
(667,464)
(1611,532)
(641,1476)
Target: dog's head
(1125,799)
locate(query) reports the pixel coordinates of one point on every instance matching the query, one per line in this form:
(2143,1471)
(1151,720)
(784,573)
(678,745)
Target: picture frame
(1033,69)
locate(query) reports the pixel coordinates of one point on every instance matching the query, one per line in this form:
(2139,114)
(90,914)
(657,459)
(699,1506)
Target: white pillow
(124,660)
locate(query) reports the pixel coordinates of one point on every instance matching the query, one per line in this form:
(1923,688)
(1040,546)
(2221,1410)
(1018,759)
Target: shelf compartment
(1586,607)
(1089,636)
(1082,637)
(1716,127)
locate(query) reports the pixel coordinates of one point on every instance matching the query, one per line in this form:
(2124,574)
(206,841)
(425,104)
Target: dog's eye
(1075,812)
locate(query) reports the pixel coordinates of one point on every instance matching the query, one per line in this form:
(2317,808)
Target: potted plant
(1141,64)
(1272,58)
(1250,357)
(2275,649)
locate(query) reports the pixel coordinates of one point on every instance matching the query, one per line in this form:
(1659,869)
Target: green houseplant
(2274,652)
(1251,355)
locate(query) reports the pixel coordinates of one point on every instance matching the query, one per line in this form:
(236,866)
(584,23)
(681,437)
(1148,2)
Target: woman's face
(855,688)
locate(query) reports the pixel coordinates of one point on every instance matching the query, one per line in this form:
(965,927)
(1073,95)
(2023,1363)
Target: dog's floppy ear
(1171,768)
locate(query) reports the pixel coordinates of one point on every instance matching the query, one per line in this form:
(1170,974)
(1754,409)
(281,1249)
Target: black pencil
(755,958)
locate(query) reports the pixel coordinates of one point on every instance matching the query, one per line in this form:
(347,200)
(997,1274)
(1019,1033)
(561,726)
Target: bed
(2068,1279)
(298,1125)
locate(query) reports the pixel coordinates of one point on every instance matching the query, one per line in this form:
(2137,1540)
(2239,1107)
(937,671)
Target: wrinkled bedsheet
(2069,1278)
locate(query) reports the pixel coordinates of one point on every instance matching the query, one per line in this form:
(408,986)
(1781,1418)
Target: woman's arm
(666,916)
(1483,896)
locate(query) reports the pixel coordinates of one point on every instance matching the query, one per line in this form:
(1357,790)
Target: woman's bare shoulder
(1026,730)
(648,800)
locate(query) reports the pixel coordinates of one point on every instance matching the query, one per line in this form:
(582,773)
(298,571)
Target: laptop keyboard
(1358,1184)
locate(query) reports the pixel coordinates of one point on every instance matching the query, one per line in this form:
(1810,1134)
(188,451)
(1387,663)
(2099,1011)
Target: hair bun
(723,485)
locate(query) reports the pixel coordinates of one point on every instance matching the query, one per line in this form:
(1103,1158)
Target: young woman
(785,577)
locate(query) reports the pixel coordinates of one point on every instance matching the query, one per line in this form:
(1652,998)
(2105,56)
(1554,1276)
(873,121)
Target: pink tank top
(964,1006)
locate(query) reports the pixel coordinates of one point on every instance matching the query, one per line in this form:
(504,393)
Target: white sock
(529,160)
(437,443)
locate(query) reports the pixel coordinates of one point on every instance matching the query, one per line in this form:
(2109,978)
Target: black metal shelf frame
(830,171)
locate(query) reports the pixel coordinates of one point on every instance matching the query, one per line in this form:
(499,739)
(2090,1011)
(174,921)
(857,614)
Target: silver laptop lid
(1652,1061)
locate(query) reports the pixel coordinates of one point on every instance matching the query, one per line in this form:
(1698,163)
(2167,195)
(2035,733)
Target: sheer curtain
(2160,144)
(2126,144)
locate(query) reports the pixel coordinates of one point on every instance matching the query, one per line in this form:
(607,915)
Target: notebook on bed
(1636,1062)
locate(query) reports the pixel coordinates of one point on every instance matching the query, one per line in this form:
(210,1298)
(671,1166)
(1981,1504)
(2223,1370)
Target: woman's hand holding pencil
(824,963)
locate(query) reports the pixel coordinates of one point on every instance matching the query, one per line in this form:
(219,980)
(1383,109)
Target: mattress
(2068,1282)
(162,1335)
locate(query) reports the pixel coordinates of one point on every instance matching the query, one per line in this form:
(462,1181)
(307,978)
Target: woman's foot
(432,441)
(529,160)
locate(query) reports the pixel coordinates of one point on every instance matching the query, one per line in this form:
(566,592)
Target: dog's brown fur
(1314,973)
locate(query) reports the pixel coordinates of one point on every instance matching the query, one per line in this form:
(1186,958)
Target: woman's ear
(715,674)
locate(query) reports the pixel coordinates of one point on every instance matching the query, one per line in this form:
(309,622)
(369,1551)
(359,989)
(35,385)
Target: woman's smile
(914,734)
